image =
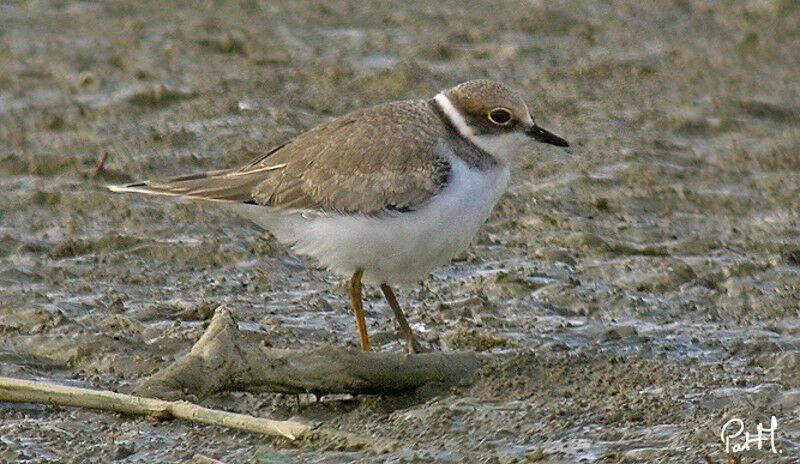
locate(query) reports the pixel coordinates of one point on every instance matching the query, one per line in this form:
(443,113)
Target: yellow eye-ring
(500,116)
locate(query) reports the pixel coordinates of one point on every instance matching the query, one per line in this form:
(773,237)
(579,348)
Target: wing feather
(364,162)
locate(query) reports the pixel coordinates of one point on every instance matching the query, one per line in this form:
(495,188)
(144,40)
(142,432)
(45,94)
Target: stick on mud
(29,391)
(225,358)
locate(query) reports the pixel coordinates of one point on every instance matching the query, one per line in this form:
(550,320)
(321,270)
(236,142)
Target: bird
(382,195)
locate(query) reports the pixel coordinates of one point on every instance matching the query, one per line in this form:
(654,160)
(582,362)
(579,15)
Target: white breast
(399,248)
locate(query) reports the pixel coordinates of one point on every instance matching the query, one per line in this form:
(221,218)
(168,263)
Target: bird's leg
(413,345)
(355,298)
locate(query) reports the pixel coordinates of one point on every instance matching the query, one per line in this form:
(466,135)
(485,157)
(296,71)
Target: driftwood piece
(31,391)
(225,358)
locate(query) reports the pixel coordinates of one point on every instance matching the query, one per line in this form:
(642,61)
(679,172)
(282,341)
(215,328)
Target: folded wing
(381,158)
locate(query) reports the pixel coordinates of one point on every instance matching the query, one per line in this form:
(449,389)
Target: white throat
(504,148)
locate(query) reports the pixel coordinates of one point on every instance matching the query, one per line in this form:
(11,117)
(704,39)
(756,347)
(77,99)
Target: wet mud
(639,290)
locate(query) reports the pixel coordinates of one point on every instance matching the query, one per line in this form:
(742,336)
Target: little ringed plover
(383,195)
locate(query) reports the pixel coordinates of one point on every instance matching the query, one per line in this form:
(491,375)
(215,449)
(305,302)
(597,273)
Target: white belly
(398,248)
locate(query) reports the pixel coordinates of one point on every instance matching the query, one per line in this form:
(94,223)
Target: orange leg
(413,345)
(355,298)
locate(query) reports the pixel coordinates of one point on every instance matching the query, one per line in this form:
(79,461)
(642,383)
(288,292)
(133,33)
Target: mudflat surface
(639,290)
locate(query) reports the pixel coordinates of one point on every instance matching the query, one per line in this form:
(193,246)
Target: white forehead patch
(526,118)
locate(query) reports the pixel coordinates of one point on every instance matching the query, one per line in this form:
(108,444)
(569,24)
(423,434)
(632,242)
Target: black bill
(541,135)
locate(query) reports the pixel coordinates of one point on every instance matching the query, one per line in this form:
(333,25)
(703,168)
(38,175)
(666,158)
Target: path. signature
(737,440)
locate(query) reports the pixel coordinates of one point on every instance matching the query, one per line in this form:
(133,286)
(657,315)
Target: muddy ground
(639,290)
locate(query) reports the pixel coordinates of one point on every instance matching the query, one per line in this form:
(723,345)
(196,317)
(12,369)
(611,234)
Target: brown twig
(98,168)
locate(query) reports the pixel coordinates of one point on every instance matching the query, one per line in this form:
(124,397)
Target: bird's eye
(500,116)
